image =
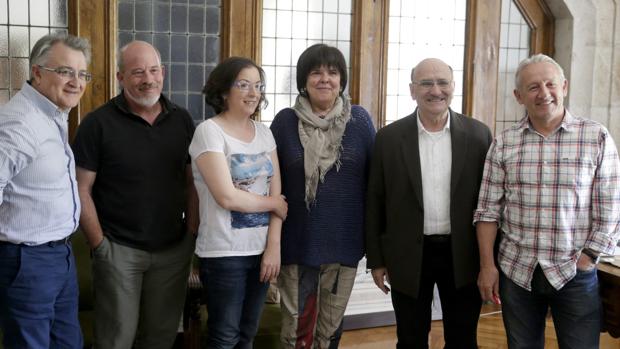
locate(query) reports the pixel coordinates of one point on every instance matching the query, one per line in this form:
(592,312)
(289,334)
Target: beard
(146,102)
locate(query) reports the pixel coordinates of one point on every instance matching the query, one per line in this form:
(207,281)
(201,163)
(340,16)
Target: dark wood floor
(491,335)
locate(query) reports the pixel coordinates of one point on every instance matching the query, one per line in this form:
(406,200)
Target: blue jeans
(576,311)
(39,296)
(235,299)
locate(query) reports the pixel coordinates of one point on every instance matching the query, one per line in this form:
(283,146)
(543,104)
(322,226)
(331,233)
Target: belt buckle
(63,241)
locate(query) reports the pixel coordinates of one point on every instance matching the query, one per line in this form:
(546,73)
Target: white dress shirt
(436,167)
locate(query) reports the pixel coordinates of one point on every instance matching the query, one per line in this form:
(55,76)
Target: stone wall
(587,45)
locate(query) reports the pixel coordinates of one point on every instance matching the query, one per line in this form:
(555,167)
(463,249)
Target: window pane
(37,33)
(19,72)
(298,5)
(410,41)
(4,73)
(270,4)
(287,32)
(285,4)
(39,12)
(4,41)
(283,24)
(269,23)
(19,12)
(58,13)
(18,43)
(3,14)
(514,46)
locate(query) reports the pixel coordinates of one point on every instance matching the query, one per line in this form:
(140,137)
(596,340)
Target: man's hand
(585,263)
(488,284)
(94,244)
(381,277)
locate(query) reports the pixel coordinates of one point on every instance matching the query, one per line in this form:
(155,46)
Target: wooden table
(609,281)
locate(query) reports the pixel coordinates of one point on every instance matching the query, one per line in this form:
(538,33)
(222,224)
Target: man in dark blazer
(423,189)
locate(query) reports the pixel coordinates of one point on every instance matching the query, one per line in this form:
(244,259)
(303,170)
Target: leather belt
(437,239)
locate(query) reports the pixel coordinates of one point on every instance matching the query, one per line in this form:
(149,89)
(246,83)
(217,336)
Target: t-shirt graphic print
(251,173)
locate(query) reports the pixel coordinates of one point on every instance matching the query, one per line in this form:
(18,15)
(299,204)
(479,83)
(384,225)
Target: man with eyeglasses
(139,205)
(39,203)
(422,190)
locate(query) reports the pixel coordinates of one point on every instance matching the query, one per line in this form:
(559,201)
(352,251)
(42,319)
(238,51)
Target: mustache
(148,85)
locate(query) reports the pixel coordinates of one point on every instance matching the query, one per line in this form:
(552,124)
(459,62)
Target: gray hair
(120,64)
(537,58)
(40,51)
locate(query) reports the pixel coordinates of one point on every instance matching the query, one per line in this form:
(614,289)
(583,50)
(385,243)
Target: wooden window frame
(482,51)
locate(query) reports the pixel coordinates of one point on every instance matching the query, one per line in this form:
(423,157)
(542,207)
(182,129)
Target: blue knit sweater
(332,231)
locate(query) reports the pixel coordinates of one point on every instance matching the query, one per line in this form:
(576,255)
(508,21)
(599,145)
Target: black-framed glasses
(443,84)
(245,85)
(69,73)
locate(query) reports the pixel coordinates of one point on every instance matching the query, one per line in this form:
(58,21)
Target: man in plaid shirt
(551,184)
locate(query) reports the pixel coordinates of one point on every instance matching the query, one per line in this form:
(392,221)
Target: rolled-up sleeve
(605,198)
(491,196)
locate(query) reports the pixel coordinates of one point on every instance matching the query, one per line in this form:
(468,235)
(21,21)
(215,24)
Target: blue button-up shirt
(38,192)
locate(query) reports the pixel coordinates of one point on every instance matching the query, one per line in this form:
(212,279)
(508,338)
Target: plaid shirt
(552,197)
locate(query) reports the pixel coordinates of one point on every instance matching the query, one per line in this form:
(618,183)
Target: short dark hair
(316,56)
(222,78)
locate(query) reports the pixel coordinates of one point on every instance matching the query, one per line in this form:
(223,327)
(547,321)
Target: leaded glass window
(514,46)
(22,23)
(420,29)
(291,26)
(187,35)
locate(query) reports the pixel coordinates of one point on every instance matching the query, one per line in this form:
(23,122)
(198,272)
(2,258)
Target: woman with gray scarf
(324,145)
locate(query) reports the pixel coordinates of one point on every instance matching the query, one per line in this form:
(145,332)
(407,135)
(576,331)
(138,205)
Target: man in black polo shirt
(139,205)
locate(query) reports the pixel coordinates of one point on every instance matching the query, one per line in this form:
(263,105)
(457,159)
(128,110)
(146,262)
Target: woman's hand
(280,206)
(270,263)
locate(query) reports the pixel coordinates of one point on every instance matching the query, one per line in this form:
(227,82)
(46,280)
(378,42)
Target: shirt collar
(42,102)
(421,129)
(567,124)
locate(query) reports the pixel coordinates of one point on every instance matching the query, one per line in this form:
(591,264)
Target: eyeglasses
(245,85)
(69,73)
(443,84)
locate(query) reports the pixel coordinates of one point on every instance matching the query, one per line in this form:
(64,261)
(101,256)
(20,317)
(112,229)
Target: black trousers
(460,307)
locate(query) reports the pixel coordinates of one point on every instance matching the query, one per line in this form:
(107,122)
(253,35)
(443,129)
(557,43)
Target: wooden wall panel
(241,29)
(96,21)
(481,60)
(369,57)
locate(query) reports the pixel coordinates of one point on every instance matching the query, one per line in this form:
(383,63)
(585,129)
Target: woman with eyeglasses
(324,145)
(237,177)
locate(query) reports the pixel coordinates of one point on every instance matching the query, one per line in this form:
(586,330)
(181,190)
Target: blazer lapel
(411,155)
(458,137)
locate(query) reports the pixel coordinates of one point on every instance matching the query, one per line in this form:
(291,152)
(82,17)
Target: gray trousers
(139,295)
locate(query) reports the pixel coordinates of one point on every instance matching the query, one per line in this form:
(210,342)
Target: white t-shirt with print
(224,233)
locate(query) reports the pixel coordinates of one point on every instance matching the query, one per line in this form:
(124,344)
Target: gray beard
(144,101)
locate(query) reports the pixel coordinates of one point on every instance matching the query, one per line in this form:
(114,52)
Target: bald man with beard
(139,205)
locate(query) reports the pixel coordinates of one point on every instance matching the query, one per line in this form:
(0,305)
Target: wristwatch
(595,257)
